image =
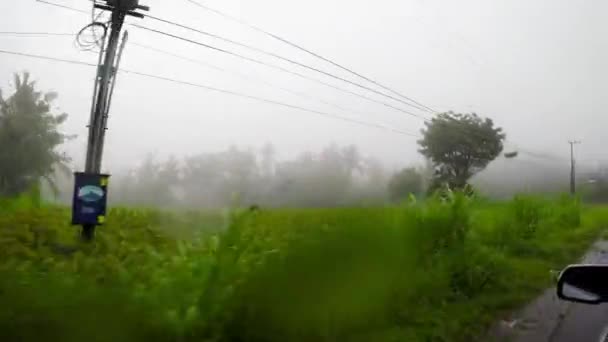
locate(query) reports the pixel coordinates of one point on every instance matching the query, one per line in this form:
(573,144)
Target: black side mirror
(584,284)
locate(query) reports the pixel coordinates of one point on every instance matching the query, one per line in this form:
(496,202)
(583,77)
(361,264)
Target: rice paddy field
(434,270)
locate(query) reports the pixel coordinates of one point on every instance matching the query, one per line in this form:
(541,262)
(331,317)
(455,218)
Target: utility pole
(90,190)
(572,167)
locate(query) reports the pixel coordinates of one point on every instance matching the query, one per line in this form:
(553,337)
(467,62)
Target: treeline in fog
(335,176)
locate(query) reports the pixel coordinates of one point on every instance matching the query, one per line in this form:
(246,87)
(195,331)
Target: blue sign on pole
(90,199)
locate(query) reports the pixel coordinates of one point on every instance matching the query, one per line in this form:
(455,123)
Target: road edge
(541,319)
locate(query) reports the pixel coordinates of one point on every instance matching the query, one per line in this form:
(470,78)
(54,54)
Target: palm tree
(29,138)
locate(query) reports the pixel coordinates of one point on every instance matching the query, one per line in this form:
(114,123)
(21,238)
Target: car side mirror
(584,284)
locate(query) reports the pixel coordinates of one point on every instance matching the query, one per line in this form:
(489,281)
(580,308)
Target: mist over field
(538,76)
(313,171)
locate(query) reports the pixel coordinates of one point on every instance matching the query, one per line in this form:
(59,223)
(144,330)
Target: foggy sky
(538,68)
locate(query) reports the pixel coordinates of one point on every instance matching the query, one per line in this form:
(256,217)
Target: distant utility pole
(572,167)
(90,191)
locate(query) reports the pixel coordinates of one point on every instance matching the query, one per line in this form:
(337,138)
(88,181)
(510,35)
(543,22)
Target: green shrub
(438,270)
(436,227)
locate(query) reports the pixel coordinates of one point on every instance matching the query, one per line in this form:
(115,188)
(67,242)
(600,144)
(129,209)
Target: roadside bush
(436,227)
(567,213)
(476,269)
(324,282)
(438,270)
(527,213)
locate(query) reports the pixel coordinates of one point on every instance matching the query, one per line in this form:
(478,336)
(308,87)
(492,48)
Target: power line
(462,129)
(261,62)
(538,155)
(284,40)
(261,81)
(63,6)
(261,99)
(68,61)
(191,60)
(224,91)
(269,65)
(208,65)
(257,61)
(289,60)
(81,44)
(247,77)
(267,83)
(250,78)
(19,34)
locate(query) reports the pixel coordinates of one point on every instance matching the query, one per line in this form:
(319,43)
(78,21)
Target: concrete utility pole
(90,188)
(572,167)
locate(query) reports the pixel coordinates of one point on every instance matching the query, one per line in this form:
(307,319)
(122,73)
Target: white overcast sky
(537,67)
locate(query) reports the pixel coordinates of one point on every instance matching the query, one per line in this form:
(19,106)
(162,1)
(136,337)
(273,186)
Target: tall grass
(440,270)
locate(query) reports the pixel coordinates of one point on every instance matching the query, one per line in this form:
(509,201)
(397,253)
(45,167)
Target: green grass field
(432,271)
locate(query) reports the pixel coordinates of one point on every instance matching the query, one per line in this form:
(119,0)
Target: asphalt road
(549,319)
(581,322)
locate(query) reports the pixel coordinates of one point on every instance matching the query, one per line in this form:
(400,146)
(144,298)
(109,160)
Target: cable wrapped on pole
(88,45)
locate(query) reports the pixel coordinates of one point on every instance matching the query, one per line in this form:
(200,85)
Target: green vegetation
(405,183)
(334,176)
(29,137)
(460,146)
(441,270)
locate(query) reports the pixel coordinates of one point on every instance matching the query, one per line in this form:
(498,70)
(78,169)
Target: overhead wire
(261,99)
(95,18)
(84,45)
(299,47)
(542,155)
(537,155)
(241,75)
(96,42)
(235,73)
(267,64)
(267,83)
(81,44)
(63,6)
(257,61)
(262,62)
(55,59)
(287,42)
(224,91)
(247,77)
(209,65)
(462,129)
(20,34)
(286,59)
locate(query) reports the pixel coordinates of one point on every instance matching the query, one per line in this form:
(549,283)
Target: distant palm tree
(29,137)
